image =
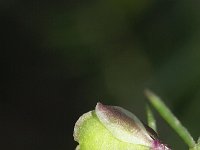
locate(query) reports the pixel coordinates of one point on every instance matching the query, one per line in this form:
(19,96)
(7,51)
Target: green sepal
(91,134)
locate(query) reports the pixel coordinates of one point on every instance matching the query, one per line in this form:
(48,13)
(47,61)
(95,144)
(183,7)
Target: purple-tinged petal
(124,125)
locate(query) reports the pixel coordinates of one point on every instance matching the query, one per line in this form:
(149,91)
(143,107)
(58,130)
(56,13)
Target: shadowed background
(60,58)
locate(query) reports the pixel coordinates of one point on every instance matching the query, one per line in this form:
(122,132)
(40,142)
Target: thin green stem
(165,112)
(151,119)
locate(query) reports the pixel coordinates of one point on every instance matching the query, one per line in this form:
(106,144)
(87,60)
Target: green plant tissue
(91,134)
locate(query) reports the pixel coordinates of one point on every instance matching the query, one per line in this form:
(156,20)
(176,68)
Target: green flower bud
(113,128)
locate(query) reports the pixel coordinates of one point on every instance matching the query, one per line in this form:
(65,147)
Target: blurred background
(59,58)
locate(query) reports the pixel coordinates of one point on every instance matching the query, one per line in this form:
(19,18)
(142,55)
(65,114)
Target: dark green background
(59,58)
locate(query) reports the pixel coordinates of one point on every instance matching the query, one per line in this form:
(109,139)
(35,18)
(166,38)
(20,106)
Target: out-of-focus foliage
(60,57)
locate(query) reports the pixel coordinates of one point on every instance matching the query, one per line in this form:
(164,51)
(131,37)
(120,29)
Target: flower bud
(114,128)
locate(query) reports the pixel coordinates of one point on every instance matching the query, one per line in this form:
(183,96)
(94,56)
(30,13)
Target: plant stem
(151,119)
(165,112)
